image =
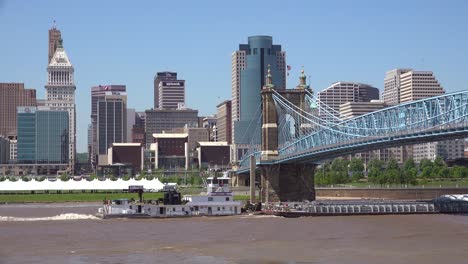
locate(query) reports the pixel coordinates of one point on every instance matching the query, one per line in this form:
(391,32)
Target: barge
(218,201)
(450,204)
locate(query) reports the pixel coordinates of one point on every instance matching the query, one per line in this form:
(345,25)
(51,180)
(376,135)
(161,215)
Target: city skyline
(330,47)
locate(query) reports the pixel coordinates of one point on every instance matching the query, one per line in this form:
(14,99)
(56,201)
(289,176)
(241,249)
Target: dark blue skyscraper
(249,68)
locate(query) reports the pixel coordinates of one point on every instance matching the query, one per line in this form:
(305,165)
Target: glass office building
(42,136)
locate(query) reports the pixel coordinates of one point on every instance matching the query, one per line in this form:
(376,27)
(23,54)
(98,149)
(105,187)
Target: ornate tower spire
(302,80)
(269,79)
(60,43)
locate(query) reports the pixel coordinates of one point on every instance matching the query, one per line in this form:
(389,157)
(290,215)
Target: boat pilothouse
(219,200)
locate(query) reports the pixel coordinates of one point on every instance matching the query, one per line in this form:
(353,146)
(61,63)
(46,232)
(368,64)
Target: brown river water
(68,233)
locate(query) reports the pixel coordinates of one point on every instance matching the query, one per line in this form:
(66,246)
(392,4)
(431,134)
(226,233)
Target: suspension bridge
(294,131)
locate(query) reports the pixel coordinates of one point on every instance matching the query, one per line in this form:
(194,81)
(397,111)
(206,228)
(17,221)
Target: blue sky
(127,42)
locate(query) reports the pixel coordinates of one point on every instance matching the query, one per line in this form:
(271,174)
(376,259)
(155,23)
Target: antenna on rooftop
(54,25)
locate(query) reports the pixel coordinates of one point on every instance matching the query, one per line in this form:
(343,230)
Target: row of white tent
(83,184)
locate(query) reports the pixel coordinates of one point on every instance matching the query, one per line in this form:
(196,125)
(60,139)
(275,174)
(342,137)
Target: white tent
(107,184)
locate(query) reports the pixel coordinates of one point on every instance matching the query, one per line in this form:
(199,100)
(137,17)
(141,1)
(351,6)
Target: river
(69,233)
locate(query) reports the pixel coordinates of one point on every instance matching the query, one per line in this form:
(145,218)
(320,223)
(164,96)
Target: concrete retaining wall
(384,193)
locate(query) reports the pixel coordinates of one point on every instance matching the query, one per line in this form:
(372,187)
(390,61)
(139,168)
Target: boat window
(173,209)
(183,208)
(131,207)
(210,199)
(223,208)
(227,198)
(215,181)
(218,209)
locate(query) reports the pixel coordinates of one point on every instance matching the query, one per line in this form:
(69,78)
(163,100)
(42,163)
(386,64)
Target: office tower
(13,95)
(54,37)
(97,93)
(168,120)
(391,93)
(161,76)
(342,92)
(171,94)
(131,118)
(90,142)
(111,122)
(4,149)
(249,68)
(223,123)
(60,94)
(138,130)
(414,85)
(43,136)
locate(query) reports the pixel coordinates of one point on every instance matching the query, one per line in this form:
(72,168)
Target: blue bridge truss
(317,132)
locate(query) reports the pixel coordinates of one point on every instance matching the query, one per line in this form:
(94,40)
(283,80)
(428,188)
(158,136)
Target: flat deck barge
(445,204)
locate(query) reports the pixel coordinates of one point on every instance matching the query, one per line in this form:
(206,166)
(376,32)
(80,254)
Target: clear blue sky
(127,42)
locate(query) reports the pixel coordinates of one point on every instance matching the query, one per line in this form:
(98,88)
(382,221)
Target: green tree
(339,171)
(64,177)
(458,172)
(356,168)
(392,172)
(409,173)
(375,171)
(425,168)
(439,168)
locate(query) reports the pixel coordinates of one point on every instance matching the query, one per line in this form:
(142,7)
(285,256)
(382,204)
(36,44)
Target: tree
(439,168)
(425,168)
(64,177)
(356,167)
(409,173)
(339,171)
(375,171)
(392,172)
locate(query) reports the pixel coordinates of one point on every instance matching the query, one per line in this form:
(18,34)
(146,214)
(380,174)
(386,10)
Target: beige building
(223,123)
(60,94)
(353,109)
(415,85)
(391,93)
(238,63)
(13,95)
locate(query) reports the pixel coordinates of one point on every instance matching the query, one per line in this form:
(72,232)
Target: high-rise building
(54,37)
(138,130)
(223,123)
(343,92)
(391,93)
(162,76)
(131,118)
(407,85)
(415,85)
(97,93)
(171,94)
(167,120)
(111,122)
(13,95)
(60,94)
(249,68)
(43,136)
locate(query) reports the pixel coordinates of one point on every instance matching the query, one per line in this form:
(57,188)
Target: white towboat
(218,201)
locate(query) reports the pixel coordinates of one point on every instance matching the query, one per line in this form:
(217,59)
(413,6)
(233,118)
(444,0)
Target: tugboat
(218,201)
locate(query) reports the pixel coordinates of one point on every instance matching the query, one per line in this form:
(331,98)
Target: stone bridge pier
(287,182)
(283,181)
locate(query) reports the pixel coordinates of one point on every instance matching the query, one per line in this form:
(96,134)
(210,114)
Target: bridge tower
(285,181)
